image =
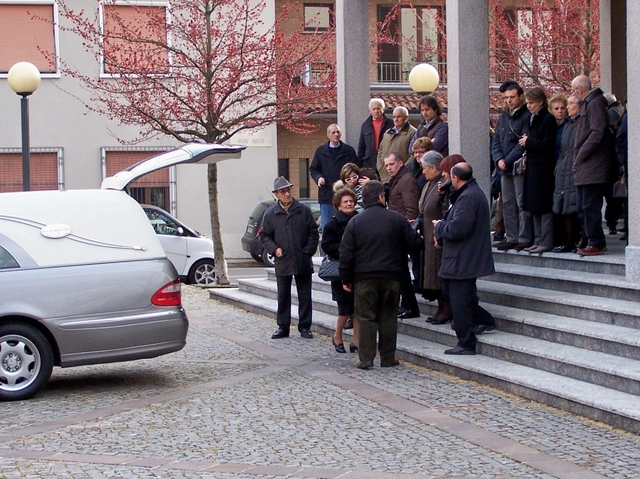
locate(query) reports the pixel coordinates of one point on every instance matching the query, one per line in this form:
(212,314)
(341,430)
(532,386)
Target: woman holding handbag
(344,202)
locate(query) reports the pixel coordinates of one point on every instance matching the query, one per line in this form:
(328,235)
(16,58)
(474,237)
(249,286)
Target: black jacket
(332,234)
(296,233)
(376,244)
(466,236)
(504,143)
(325,165)
(367,153)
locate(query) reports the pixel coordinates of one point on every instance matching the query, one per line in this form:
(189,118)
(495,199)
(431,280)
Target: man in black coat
(327,162)
(290,233)
(373,261)
(466,237)
(371,133)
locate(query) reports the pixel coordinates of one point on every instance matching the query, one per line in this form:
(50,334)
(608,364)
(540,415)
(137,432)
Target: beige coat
(394,143)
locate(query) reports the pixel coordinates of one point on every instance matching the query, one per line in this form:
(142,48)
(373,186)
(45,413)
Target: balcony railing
(398,72)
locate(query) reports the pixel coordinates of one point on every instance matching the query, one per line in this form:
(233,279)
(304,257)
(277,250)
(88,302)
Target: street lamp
(424,78)
(24,79)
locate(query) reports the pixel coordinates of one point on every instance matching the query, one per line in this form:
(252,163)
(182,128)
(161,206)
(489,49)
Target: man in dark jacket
(371,133)
(290,233)
(505,150)
(373,260)
(403,199)
(327,162)
(592,162)
(466,238)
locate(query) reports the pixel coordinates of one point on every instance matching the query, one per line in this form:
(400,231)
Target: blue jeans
(326,212)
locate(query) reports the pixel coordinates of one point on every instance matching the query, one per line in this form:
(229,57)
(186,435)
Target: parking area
(236,404)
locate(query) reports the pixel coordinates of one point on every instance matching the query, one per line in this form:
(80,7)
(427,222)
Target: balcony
(398,72)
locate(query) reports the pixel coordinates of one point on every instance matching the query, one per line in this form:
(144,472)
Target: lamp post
(24,79)
(424,78)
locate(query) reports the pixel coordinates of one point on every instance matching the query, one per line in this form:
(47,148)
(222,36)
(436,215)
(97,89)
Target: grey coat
(296,233)
(565,199)
(465,235)
(592,161)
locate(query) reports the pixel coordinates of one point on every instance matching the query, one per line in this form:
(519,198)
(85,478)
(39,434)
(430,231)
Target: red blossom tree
(201,70)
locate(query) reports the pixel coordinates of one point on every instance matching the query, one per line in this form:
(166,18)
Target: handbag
(329,270)
(496,183)
(520,165)
(620,188)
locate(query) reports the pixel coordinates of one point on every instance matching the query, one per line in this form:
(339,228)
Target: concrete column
(468,84)
(633,81)
(613,47)
(352,55)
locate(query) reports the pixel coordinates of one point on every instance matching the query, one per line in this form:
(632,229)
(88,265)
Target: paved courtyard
(236,404)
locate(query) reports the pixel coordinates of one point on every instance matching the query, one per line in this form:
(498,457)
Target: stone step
(585,283)
(617,408)
(607,369)
(572,305)
(613,264)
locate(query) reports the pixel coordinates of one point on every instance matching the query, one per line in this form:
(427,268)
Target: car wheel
(26,361)
(268,259)
(258,258)
(203,272)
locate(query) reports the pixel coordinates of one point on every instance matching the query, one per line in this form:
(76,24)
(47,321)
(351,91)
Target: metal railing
(398,72)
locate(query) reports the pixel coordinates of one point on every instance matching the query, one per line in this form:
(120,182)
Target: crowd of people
(401,216)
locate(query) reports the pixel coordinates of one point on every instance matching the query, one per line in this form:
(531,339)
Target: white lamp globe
(24,78)
(424,78)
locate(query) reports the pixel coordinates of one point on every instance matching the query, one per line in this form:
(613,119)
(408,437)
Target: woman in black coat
(344,201)
(539,183)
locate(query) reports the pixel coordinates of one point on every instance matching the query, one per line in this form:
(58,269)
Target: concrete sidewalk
(236,404)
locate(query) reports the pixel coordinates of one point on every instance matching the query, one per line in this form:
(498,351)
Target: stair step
(604,264)
(617,408)
(593,284)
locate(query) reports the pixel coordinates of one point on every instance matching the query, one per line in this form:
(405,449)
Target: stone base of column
(632,258)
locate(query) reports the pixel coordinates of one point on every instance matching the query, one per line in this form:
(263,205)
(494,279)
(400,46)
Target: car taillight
(169,295)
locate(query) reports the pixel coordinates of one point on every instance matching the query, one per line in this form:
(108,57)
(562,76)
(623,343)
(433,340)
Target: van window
(6,260)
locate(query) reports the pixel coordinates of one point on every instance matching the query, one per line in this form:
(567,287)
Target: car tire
(268,259)
(256,257)
(203,273)
(26,361)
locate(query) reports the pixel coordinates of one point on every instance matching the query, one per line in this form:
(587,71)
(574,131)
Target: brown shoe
(591,251)
(389,363)
(364,364)
(505,246)
(521,246)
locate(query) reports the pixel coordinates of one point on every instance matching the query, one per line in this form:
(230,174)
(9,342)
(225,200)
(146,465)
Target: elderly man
(371,133)
(592,162)
(395,140)
(373,261)
(290,233)
(466,237)
(327,162)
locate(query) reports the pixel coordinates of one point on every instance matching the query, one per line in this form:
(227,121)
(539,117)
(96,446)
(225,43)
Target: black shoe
(349,324)
(338,347)
(460,351)
(483,328)
(364,364)
(306,333)
(506,246)
(498,238)
(441,321)
(613,231)
(406,314)
(390,363)
(280,333)
(353,348)
(564,249)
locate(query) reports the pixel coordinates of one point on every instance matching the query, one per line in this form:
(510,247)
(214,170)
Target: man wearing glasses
(290,233)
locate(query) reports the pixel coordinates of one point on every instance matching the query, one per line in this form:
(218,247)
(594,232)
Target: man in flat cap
(290,234)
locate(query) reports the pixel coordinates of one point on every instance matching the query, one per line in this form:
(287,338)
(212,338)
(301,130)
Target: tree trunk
(222,274)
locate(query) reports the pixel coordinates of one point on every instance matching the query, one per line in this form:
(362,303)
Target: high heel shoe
(353,348)
(338,347)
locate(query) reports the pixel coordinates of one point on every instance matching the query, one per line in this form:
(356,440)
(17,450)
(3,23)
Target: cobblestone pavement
(236,404)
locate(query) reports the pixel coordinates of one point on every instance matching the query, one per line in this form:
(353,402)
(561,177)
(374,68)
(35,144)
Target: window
(45,169)
(153,188)
(311,74)
(318,17)
(25,29)
(283,167)
(147,25)
(303,177)
(162,224)
(6,260)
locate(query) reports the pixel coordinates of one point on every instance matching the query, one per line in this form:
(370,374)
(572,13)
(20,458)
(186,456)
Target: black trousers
(462,294)
(303,285)
(407,291)
(590,199)
(376,307)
